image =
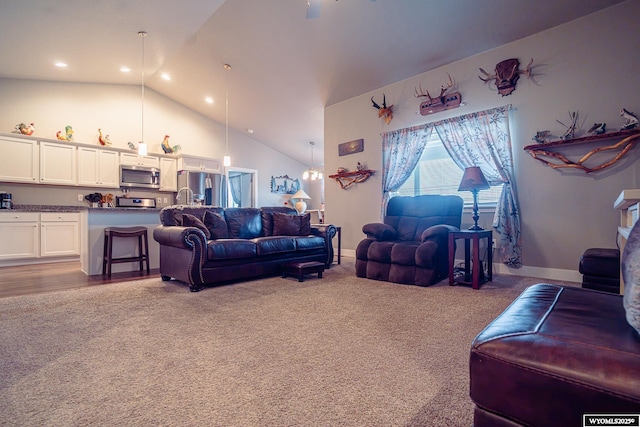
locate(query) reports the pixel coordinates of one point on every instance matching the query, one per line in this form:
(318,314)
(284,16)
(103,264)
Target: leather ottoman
(555,354)
(600,269)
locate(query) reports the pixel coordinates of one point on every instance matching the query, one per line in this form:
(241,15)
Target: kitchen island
(93,222)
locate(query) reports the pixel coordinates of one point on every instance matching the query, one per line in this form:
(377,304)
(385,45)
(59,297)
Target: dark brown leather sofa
(555,354)
(242,244)
(411,246)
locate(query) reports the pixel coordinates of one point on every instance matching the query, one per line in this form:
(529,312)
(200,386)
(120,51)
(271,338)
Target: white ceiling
(285,67)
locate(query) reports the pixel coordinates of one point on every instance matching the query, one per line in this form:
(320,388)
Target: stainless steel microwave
(139,176)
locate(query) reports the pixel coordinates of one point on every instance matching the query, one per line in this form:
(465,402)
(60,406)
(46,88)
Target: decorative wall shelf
(547,154)
(346,179)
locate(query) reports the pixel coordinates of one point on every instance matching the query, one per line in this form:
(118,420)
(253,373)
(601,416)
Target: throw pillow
(291,225)
(216,224)
(189,220)
(631,275)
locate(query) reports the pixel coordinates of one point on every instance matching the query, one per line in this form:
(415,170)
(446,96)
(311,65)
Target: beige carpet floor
(337,351)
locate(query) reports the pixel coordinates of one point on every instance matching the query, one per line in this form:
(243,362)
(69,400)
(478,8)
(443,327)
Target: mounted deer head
(385,112)
(506,75)
(441,102)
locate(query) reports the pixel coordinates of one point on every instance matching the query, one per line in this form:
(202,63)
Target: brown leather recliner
(411,246)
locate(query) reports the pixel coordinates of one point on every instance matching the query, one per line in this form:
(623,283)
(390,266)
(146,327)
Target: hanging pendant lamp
(227,158)
(142,146)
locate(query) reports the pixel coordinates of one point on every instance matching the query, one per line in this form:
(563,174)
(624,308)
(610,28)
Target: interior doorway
(242,188)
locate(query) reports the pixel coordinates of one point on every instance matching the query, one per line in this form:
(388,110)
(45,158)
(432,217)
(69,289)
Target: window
(437,173)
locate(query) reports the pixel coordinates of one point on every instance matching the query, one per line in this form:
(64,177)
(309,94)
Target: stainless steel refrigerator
(201,188)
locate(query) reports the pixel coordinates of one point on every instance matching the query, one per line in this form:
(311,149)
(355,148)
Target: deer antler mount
(444,101)
(506,75)
(384,112)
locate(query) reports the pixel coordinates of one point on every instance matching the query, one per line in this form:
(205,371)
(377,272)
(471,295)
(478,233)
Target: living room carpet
(336,351)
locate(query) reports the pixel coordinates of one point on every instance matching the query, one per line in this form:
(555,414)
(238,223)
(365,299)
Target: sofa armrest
(379,231)
(437,231)
(328,232)
(179,237)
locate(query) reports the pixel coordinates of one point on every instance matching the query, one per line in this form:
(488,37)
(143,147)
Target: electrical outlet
(159,199)
(494,243)
(80,197)
(165,200)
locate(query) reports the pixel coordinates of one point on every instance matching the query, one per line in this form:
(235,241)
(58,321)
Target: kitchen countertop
(55,208)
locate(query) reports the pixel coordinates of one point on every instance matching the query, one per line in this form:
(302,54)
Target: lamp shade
(473,179)
(300,194)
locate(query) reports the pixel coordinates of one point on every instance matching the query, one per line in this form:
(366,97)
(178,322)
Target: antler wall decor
(506,75)
(386,113)
(441,102)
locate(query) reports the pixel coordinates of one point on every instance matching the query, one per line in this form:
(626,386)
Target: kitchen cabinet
(57,163)
(198,164)
(59,234)
(168,174)
(20,235)
(98,167)
(19,161)
(135,159)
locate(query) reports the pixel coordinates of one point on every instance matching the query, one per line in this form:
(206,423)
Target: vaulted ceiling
(288,62)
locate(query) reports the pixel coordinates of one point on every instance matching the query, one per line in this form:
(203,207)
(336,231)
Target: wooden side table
(474,279)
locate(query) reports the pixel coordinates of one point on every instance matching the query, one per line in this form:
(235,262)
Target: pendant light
(312,172)
(142,146)
(227,158)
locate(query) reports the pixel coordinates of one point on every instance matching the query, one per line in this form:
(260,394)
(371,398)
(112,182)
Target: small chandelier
(312,172)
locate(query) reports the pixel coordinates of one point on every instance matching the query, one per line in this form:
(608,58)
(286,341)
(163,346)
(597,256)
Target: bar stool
(143,253)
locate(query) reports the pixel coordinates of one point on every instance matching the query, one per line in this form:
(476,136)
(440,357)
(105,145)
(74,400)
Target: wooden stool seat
(299,269)
(143,247)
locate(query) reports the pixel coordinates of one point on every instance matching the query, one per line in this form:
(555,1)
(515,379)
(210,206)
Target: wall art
(351,147)
(284,185)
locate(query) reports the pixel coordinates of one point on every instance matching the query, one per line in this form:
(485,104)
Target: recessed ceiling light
(249,130)
(166,76)
(125,69)
(61,64)
(208,100)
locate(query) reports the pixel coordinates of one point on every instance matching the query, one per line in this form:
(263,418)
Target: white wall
(590,65)
(116,109)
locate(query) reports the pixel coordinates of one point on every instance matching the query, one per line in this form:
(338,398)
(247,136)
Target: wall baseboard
(498,268)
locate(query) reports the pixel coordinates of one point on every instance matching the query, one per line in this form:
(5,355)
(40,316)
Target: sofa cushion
(243,223)
(404,253)
(309,243)
(216,224)
(189,220)
(231,249)
(291,225)
(274,245)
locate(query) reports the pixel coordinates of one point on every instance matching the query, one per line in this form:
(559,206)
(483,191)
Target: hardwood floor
(38,278)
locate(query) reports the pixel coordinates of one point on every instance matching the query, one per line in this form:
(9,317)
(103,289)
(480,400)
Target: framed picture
(351,147)
(284,184)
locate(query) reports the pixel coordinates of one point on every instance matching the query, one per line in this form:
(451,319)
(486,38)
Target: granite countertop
(56,208)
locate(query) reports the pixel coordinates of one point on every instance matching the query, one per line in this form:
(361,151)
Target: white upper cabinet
(98,167)
(168,174)
(19,161)
(198,164)
(57,163)
(135,159)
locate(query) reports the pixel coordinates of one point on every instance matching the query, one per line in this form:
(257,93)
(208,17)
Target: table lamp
(473,180)
(300,204)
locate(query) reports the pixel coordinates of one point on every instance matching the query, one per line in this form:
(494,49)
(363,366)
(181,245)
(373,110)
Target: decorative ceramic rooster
(168,148)
(104,140)
(67,136)
(24,129)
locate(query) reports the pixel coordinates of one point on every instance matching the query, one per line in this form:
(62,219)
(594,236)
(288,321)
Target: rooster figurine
(168,148)
(103,140)
(23,129)
(67,136)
